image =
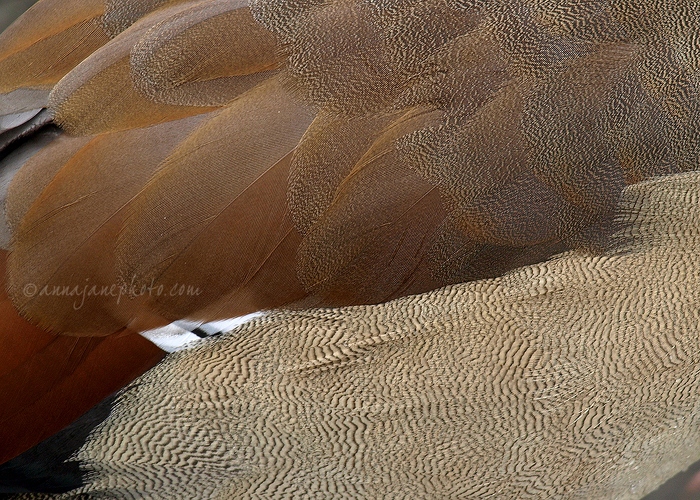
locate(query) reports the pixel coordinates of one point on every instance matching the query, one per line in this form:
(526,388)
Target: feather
(206,55)
(473,390)
(370,243)
(208,197)
(99,96)
(504,177)
(14,135)
(354,57)
(38,171)
(12,11)
(49,40)
(23,100)
(360,151)
(325,156)
(28,471)
(11,165)
(13,120)
(482,165)
(121,14)
(581,165)
(84,201)
(46,381)
(258,266)
(64,379)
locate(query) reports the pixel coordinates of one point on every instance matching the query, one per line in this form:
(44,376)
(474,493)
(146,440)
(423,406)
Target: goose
(572,378)
(177,163)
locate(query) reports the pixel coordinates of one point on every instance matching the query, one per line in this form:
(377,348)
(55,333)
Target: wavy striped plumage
(212,158)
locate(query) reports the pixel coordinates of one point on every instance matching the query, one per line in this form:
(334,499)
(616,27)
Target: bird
(571,378)
(190,162)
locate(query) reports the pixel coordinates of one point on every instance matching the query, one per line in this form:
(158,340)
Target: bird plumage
(496,136)
(573,378)
(292,154)
(47,381)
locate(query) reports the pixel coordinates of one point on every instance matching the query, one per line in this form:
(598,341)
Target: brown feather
(329,150)
(62,380)
(85,203)
(193,209)
(15,162)
(31,180)
(371,243)
(245,260)
(99,95)
(48,41)
(205,55)
(46,382)
(120,14)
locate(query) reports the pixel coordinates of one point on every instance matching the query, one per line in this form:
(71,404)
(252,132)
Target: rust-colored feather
(85,201)
(48,381)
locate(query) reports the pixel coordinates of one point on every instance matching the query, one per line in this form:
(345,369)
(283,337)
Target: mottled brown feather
(99,95)
(206,55)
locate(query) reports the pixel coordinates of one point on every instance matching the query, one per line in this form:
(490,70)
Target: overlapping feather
(47,381)
(205,55)
(215,235)
(85,200)
(43,45)
(435,140)
(310,152)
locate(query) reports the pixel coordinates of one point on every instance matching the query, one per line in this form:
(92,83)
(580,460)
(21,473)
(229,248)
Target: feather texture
(74,275)
(48,381)
(206,55)
(370,244)
(226,156)
(573,378)
(121,14)
(46,43)
(452,141)
(240,160)
(12,165)
(99,95)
